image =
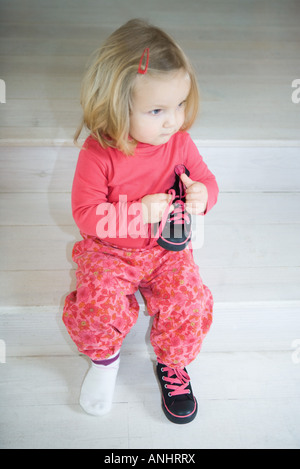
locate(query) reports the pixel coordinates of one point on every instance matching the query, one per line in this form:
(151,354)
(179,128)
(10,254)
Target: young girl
(137,174)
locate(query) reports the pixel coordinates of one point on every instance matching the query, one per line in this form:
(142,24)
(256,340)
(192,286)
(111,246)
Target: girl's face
(158,106)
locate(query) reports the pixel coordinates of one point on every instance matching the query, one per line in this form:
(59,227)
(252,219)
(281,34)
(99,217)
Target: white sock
(98,388)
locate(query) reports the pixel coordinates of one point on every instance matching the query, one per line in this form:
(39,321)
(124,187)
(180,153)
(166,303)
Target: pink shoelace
(178,216)
(177,380)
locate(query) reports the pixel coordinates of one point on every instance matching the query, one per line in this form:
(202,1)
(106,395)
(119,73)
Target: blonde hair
(108,84)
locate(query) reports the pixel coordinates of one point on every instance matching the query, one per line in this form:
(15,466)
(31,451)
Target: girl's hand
(154,206)
(196,196)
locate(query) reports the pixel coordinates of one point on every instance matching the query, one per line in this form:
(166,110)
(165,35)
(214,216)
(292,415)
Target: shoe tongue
(182,375)
(179,186)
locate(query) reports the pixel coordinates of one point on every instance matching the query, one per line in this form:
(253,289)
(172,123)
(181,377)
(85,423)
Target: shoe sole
(172,246)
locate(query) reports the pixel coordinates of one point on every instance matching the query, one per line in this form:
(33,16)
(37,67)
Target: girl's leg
(182,308)
(98,316)
(102,310)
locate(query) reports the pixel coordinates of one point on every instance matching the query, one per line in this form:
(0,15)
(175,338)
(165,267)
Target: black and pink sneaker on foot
(175,229)
(178,402)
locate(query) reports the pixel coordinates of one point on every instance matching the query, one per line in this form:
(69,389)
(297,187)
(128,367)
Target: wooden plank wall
(246,55)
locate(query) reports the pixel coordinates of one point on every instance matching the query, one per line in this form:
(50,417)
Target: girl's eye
(155,112)
(182,104)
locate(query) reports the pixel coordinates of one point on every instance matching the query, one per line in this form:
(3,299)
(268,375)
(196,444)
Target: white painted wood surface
(246,400)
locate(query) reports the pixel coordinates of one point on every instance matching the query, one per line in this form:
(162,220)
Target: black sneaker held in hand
(175,229)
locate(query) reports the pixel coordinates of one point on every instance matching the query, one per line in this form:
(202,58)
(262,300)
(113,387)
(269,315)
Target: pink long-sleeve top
(108,187)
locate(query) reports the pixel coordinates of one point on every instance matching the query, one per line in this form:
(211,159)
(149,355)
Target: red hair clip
(143,68)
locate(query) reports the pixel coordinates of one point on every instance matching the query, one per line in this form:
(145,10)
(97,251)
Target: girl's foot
(178,401)
(98,388)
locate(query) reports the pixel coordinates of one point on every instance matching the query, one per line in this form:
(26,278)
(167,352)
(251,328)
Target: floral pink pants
(103,309)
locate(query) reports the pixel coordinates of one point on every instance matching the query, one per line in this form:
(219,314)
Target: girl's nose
(170,120)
